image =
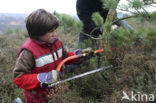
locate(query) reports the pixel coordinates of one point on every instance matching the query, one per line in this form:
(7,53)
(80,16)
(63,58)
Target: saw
(77,76)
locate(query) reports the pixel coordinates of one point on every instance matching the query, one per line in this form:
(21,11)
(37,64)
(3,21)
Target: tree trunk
(104,43)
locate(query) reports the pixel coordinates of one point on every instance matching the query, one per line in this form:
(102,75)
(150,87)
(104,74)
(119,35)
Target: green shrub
(68,24)
(8,31)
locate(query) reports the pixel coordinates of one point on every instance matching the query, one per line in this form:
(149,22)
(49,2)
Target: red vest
(47,56)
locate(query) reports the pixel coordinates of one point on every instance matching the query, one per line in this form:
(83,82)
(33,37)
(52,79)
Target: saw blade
(80,75)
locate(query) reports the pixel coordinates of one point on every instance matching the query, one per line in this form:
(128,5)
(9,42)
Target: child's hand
(49,77)
(78,51)
(55,75)
(88,51)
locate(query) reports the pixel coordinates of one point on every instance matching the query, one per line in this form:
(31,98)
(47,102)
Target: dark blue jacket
(85,9)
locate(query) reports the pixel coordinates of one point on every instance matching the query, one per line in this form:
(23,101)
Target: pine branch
(91,36)
(140,13)
(126,10)
(117,20)
(152,5)
(136,14)
(110,17)
(149,3)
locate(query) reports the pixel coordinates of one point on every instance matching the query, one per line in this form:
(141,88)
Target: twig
(127,11)
(91,36)
(124,18)
(152,5)
(94,30)
(140,13)
(149,3)
(145,10)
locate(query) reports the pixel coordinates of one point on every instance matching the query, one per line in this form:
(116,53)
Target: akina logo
(137,97)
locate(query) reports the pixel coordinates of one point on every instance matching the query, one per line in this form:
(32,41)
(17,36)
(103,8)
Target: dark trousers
(81,39)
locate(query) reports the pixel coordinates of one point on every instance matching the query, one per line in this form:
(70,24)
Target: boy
(39,56)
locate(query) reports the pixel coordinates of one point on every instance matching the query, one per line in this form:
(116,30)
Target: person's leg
(81,39)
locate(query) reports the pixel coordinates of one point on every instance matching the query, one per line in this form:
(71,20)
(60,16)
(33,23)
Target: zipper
(52,52)
(57,53)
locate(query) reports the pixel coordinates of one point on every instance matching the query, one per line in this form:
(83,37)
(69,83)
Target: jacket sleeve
(24,78)
(22,75)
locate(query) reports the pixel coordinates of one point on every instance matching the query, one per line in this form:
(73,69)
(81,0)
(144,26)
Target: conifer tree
(128,51)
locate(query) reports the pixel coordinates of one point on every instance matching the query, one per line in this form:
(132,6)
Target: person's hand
(49,77)
(89,51)
(55,75)
(78,51)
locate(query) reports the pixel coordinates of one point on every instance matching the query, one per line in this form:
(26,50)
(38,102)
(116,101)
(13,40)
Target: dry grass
(9,46)
(137,72)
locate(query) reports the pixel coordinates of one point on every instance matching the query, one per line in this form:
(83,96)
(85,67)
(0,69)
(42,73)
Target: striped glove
(49,77)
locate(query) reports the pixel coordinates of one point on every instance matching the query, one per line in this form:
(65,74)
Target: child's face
(48,37)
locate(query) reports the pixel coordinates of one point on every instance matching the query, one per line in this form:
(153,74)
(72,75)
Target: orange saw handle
(75,57)
(99,51)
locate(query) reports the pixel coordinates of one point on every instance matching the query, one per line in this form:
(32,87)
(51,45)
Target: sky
(27,6)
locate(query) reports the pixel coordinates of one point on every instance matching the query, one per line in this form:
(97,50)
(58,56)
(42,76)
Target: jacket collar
(43,43)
